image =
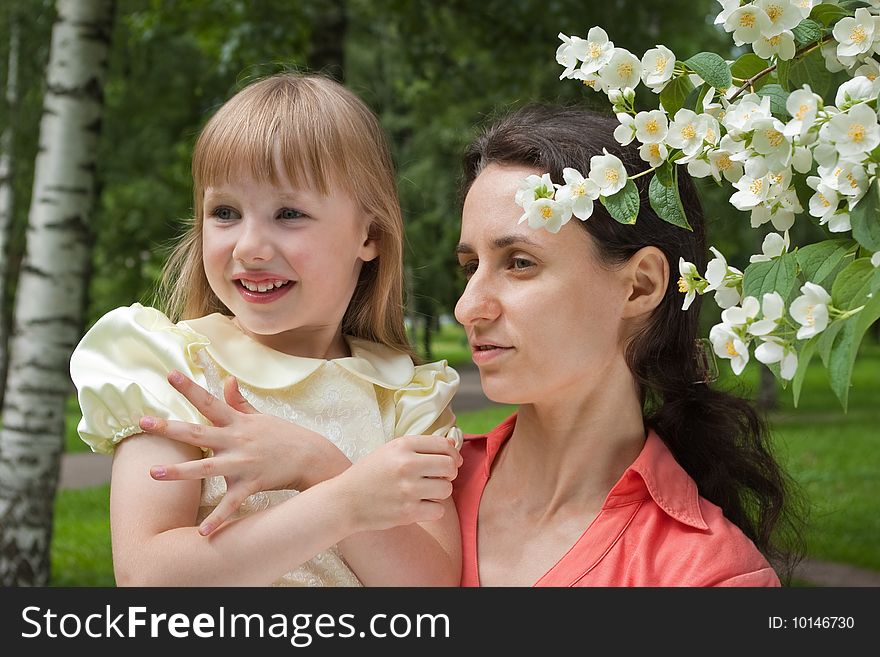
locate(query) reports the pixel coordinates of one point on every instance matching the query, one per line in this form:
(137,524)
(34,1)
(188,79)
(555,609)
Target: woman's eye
(289,213)
(521,263)
(224,213)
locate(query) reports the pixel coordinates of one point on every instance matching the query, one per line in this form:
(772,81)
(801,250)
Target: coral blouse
(654,529)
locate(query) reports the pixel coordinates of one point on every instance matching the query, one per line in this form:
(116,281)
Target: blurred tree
(7,181)
(48,304)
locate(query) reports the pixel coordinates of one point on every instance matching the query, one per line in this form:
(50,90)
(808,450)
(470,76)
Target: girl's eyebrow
(499,243)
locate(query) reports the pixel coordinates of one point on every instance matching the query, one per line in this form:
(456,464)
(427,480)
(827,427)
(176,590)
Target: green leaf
(853,285)
(712,68)
(748,65)
(819,260)
(865,219)
(776,275)
(805,355)
(809,70)
(666,202)
(624,205)
(827,14)
(778,97)
(845,347)
(667,173)
(807,31)
(675,94)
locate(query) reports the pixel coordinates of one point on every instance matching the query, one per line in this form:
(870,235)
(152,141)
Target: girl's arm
(155,542)
(256,452)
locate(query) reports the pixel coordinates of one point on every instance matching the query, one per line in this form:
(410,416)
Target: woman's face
(542,316)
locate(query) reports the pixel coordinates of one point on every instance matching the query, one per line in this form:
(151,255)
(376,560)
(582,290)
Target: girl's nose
(254,243)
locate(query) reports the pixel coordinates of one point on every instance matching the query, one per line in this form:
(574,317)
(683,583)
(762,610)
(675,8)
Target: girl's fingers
(197,435)
(200,469)
(441,466)
(228,505)
(208,405)
(234,398)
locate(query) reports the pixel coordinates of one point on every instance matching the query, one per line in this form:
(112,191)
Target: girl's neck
(321,342)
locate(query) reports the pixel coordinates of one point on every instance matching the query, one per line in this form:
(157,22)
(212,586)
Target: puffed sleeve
(423,406)
(119,369)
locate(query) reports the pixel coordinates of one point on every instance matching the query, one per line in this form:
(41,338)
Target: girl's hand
(402,482)
(252,451)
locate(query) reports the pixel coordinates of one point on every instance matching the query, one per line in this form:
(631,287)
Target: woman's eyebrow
(499,243)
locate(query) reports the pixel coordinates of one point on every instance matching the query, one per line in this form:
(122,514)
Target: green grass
(833,455)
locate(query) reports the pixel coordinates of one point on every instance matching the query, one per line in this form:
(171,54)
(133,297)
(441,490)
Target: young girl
(288,284)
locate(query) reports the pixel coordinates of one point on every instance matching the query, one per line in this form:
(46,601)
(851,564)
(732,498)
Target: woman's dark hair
(718,438)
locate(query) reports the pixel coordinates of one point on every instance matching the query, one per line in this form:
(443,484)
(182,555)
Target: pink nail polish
(148,423)
(176,378)
(158,473)
(205,529)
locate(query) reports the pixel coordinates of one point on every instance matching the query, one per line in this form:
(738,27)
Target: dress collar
(655,472)
(260,366)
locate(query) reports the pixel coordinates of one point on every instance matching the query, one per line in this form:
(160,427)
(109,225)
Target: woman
(622,467)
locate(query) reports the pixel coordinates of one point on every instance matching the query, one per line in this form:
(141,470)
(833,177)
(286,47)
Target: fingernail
(175,377)
(148,423)
(205,529)
(157,473)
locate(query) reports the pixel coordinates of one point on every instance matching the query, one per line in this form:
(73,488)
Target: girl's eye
(224,213)
(289,213)
(469,268)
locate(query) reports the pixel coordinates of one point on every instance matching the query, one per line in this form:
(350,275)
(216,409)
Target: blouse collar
(260,366)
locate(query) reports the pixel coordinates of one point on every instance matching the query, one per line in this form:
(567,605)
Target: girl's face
(543,318)
(285,261)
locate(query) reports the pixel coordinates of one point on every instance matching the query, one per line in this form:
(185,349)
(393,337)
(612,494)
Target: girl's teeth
(262,287)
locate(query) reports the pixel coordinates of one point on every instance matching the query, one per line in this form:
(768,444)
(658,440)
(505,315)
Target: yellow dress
(358,402)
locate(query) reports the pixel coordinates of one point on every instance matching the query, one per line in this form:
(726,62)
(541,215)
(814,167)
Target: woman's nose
(254,243)
(478,302)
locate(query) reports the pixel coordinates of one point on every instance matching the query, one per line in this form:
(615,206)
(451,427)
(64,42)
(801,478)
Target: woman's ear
(648,274)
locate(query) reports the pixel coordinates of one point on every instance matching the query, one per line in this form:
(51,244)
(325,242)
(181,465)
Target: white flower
(728,6)
(686,282)
(855,132)
(658,65)
(769,141)
(686,131)
(854,35)
(533,188)
(740,115)
(773,306)
(578,192)
(829,52)
(852,182)
(626,131)
(824,202)
(854,91)
(547,213)
(570,53)
(728,344)
(723,165)
(651,127)
(740,317)
(608,172)
(875,259)
(591,80)
(748,24)
(722,280)
(599,50)
(803,105)
(622,70)
(653,154)
(773,246)
(802,159)
(775,350)
(870,69)
(838,222)
(782,14)
(810,310)
(779,45)
(804,6)
(752,192)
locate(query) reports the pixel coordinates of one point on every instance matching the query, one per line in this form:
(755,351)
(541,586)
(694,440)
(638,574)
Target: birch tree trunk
(6,192)
(48,308)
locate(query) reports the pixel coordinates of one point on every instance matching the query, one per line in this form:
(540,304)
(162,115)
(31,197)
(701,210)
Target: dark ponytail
(717,437)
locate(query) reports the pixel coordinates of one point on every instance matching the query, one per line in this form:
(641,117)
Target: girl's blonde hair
(326,137)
